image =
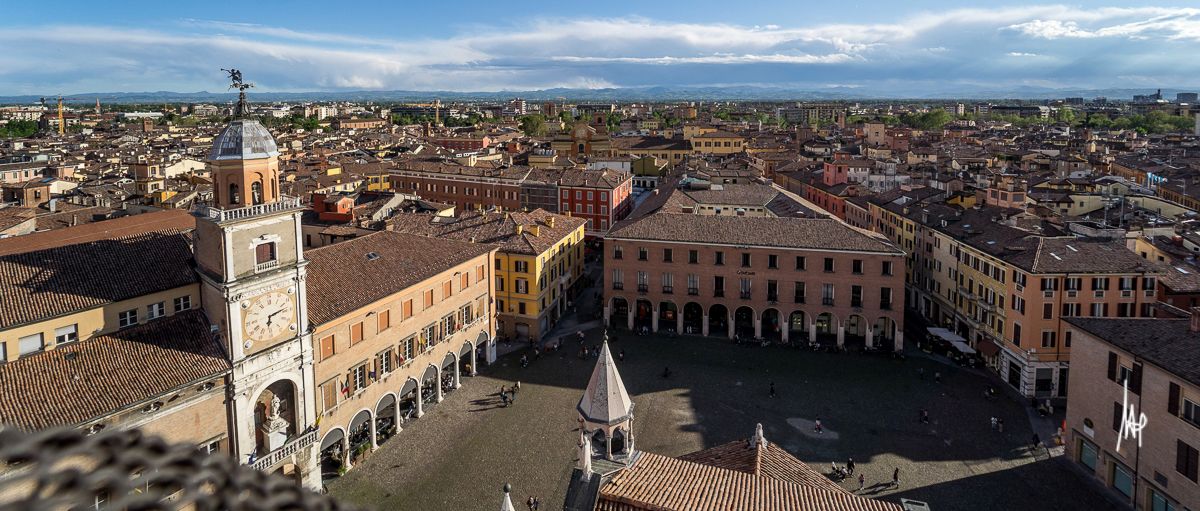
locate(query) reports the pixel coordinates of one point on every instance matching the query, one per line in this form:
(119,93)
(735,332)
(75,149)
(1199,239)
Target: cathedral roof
(243,139)
(605,400)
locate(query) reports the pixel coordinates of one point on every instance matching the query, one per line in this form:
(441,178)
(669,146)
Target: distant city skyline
(80,47)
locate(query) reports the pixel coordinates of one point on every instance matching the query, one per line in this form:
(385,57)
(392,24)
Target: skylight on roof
(371,256)
(1052,254)
(1182,270)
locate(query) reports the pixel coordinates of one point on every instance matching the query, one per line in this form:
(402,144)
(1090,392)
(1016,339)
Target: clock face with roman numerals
(269,316)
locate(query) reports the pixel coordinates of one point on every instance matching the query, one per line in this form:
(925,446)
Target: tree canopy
(18,129)
(533,125)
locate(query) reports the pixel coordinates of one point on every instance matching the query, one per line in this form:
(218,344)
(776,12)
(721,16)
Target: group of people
(508,395)
(534,503)
(840,473)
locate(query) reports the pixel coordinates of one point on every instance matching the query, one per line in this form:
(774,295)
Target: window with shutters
(1191,412)
(480,273)
(447,289)
(406,309)
(264,253)
(1187,460)
(428,299)
(383,320)
(329,394)
(327,347)
(358,377)
(407,346)
(356,333)
(383,361)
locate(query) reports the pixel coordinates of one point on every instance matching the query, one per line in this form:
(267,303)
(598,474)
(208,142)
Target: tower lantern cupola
(244,158)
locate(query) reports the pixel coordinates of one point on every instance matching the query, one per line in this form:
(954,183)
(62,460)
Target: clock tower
(252,269)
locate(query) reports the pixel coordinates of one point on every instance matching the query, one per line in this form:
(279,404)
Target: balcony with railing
(266,266)
(668,290)
(293,446)
(643,288)
(693,291)
(618,285)
(223,215)
(745,295)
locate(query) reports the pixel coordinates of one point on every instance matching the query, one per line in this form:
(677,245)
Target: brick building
(1156,359)
(599,196)
(754,275)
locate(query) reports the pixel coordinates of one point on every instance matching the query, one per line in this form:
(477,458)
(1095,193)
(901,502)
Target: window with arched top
(235,195)
(256,192)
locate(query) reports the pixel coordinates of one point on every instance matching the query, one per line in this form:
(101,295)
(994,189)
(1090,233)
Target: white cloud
(600,52)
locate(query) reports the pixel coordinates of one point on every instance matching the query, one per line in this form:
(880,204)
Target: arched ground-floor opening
(856,332)
(743,322)
(619,317)
(771,328)
(464,359)
(884,332)
(449,380)
(360,436)
(333,453)
(667,316)
(718,321)
(408,401)
(643,315)
(429,385)
(798,327)
(693,318)
(826,326)
(385,418)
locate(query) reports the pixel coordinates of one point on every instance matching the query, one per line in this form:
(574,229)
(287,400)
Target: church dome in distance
(243,139)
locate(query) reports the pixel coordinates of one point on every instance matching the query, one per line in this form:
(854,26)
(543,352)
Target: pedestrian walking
(937,376)
(1036,441)
(537,503)
(580,335)
(921,372)
(896,477)
(994,422)
(772,389)
(862,482)
(530,503)
(517,386)
(817,426)
(621,355)
(850,465)
(924,416)
(1000,425)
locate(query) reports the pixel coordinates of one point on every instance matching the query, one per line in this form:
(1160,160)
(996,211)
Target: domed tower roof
(243,139)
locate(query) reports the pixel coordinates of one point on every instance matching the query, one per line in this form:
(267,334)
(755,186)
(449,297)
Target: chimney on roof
(520,230)
(535,229)
(550,222)
(1195,323)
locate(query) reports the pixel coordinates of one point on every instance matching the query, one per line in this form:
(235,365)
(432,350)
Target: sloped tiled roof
(55,281)
(813,233)
(662,483)
(75,383)
(342,278)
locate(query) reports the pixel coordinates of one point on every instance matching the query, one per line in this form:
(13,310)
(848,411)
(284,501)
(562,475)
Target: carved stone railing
(222,215)
(292,447)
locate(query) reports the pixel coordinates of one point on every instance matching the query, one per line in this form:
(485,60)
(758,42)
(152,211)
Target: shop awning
(987,348)
(954,339)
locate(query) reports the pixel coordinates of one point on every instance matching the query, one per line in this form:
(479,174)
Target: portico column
(474,369)
(870,337)
(841,339)
(704,325)
(678,323)
(437,385)
(783,332)
(396,414)
(812,331)
(629,319)
(730,326)
(490,345)
(757,326)
(374,438)
(654,320)
(607,314)
(898,344)
(457,375)
(420,401)
(346,452)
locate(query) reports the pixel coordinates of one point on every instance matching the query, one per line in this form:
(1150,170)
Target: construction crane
(61,124)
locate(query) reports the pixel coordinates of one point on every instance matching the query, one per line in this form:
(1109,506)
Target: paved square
(459,455)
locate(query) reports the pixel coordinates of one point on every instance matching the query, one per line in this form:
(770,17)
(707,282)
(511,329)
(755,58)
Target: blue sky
(88,46)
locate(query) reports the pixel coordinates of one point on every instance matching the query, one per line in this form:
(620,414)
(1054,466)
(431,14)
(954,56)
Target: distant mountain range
(650,94)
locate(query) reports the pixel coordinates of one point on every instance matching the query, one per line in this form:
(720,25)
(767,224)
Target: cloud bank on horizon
(1046,46)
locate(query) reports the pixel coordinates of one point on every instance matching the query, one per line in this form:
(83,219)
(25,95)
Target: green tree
(613,121)
(533,125)
(18,129)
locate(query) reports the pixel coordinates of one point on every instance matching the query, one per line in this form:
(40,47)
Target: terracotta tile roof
(787,232)
(768,460)
(169,220)
(55,281)
(75,383)
(662,483)
(498,229)
(1166,343)
(343,277)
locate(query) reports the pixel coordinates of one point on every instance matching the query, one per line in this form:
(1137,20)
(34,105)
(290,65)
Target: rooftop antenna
(235,78)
